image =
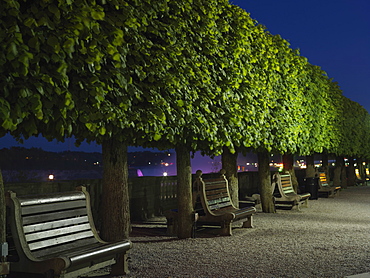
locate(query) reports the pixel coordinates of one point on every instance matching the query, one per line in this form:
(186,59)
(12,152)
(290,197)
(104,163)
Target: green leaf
(180,103)
(98,15)
(157,136)
(102,130)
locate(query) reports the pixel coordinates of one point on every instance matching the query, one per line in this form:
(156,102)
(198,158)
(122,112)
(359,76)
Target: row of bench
(285,195)
(55,235)
(213,205)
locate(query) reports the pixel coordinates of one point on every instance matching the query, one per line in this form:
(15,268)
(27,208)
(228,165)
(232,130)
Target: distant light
(139,173)
(165,174)
(51,177)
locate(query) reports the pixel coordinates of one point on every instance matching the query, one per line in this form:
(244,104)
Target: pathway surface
(330,238)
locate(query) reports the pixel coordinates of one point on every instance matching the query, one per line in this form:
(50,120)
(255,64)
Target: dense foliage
(197,73)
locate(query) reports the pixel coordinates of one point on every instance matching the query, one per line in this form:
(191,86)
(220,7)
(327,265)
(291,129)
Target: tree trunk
(2,212)
(338,171)
(229,164)
(288,167)
(361,169)
(115,200)
(4,265)
(325,165)
(351,181)
(310,164)
(265,182)
(343,174)
(184,193)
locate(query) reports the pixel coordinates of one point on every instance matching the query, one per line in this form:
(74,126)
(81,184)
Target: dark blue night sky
(333,34)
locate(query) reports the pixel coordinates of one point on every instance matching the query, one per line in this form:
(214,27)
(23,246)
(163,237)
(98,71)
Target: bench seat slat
(54,216)
(92,252)
(218,200)
(59,240)
(216,191)
(215,186)
(43,208)
(41,236)
(54,224)
(220,206)
(218,197)
(51,198)
(86,250)
(65,249)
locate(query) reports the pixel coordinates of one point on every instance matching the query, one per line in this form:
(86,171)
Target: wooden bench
(215,204)
(284,193)
(54,235)
(359,179)
(325,188)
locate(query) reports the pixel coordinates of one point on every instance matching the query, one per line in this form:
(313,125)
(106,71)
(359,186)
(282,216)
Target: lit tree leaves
(198,73)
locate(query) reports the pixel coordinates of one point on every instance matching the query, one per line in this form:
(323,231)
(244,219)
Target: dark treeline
(19,158)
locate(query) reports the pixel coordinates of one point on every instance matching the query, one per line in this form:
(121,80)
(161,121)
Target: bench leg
(121,266)
(172,226)
(248,223)
(226,228)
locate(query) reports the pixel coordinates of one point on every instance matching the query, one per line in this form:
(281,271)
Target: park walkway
(331,238)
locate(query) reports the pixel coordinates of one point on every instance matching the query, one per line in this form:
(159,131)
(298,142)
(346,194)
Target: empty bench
(359,179)
(216,206)
(325,188)
(284,193)
(54,235)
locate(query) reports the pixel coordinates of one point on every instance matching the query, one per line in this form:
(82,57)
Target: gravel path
(330,238)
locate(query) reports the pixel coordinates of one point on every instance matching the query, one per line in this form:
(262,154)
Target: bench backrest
(323,179)
(286,184)
(214,193)
(282,185)
(358,175)
(47,224)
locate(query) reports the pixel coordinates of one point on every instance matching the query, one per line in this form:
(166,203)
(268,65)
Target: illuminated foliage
(199,73)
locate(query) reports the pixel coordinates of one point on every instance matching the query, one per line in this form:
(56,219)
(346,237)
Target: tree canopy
(198,73)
